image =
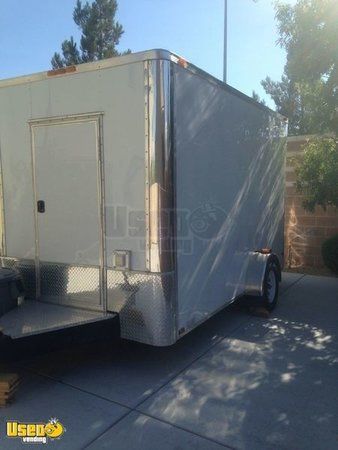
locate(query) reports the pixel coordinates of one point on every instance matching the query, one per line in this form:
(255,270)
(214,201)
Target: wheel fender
(256,269)
(274,259)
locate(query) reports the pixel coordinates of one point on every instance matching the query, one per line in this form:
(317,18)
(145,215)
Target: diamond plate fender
(146,305)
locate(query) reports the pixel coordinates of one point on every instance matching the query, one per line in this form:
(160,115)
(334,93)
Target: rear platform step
(35,317)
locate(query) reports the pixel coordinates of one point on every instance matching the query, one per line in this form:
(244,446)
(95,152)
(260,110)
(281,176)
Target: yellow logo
(35,432)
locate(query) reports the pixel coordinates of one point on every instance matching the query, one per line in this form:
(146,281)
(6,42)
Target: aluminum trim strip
(92,66)
(102,211)
(70,118)
(159,169)
(174,213)
(146,154)
(2,211)
(35,199)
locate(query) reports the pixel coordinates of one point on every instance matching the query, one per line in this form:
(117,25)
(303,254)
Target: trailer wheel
(271,286)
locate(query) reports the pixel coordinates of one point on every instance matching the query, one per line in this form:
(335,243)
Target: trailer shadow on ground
(237,381)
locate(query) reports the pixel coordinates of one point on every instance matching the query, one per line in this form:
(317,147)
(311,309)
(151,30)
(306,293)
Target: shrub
(330,253)
(317,174)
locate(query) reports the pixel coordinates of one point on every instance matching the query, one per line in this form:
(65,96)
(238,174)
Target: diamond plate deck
(34,317)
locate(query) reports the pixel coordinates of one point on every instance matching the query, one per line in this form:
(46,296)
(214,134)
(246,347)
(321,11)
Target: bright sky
(31,30)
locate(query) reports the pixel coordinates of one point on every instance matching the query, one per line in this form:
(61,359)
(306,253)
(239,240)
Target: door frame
(2,211)
(97,119)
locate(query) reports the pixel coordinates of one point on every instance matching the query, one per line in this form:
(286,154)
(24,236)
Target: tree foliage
(308,91)
(303,103)
(257,98)
(330,253)
(100,34)
(317,174)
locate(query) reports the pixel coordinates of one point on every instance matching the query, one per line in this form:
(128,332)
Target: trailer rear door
(66,159)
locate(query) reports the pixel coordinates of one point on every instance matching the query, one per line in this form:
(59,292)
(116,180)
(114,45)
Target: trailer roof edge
(88,67)
(225,86)
(129,59)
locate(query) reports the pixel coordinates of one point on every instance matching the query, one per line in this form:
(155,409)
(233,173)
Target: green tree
(100,34)
(308,91)
(257,98)
(317,174)
(303,103)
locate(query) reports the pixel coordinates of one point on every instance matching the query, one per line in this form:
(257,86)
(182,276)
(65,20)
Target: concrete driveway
(238,382)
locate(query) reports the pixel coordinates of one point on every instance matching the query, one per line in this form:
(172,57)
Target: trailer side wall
(229,192)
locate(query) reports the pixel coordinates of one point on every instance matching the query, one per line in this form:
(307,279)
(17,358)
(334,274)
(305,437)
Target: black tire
(270,286)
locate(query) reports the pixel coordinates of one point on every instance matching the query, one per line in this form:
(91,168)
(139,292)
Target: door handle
(41,206)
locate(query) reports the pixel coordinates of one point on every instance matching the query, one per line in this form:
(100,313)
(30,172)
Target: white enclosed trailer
(139,186)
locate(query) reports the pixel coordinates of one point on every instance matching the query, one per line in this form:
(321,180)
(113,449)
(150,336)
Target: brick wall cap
(309,137)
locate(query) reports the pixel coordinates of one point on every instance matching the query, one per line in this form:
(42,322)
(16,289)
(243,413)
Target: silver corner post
(225,56)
